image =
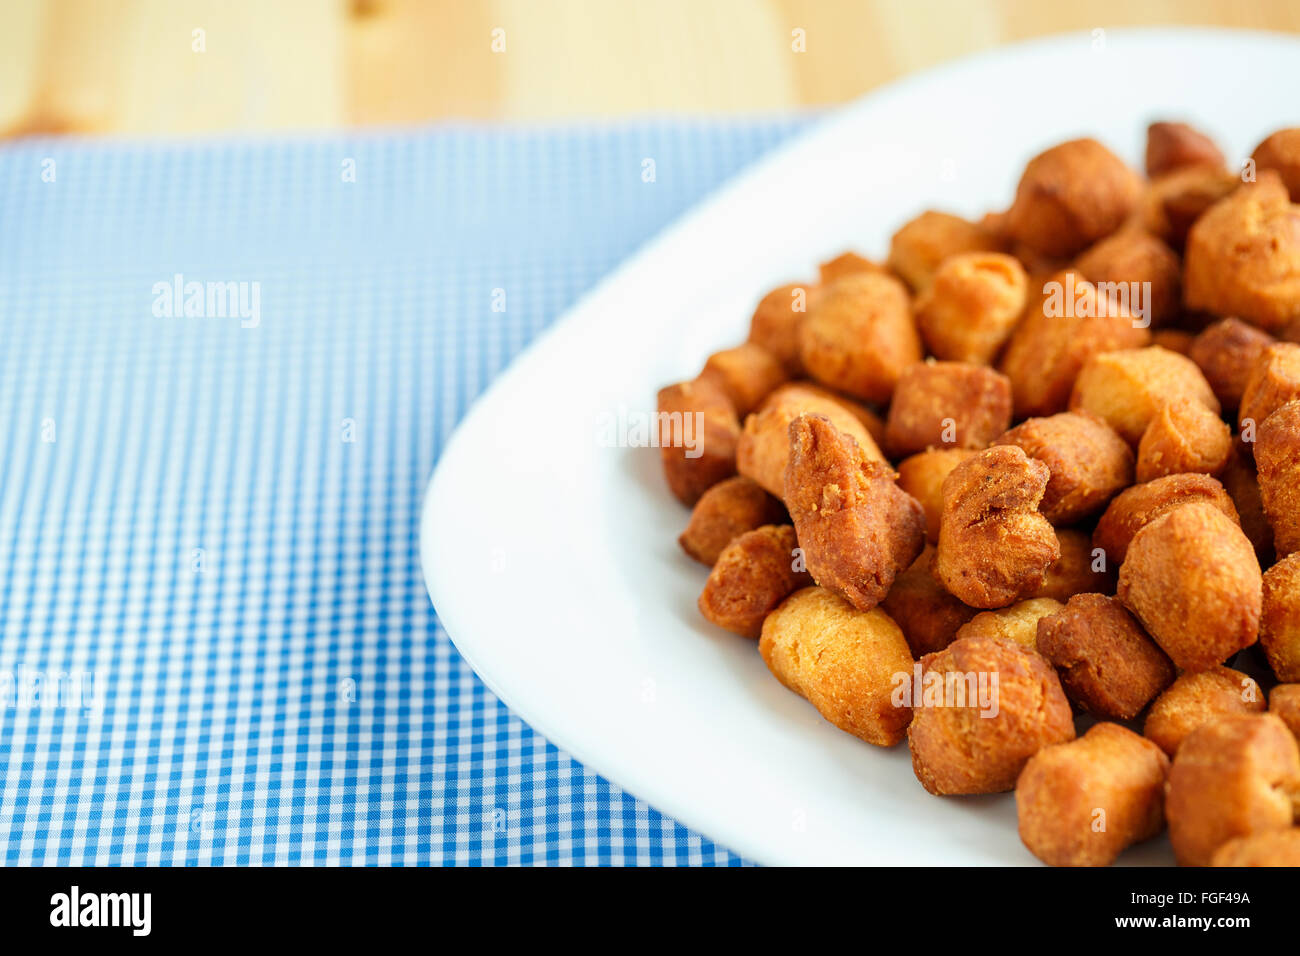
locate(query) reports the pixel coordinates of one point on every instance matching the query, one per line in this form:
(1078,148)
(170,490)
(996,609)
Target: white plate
(552,560)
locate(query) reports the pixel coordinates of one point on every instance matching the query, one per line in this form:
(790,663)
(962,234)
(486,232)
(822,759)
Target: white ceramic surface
(552,560)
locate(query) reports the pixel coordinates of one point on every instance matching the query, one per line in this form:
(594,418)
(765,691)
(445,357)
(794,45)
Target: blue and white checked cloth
(215,642)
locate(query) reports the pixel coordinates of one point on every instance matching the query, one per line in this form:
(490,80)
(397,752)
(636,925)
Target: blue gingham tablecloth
(226,374)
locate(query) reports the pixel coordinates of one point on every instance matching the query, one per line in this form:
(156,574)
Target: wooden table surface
(201,66)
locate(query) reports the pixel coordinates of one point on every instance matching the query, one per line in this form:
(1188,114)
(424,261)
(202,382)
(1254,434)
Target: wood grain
(134,66)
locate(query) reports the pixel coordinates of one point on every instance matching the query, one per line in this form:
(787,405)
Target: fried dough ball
(1108,665)
(857,528)
(1175,340)
(1284,703)
(1089,464)
(754,574)
(1243,256)
(1070,196)
(859,336)
(929,616)
(1133,256)
(1279,627)
(1226,352)
(1277,455)
(843,661)
(1068,325)
(1078,570)
(1233,777)
(1274,380)
(1196,698)
(1184,436)
(922,476)
(947,403)
(1175,200)
(1084,802)
(983,708)
(1192,579)
(1129,386)
(1242,485)
(776,323)
(1173,146)
(969,310)
(764,447)
(724,513)
(918,248)
(994,545)
(1270,848)
(1281,153)
(698,431)
(1136,507)
(746,374)
(1018,622)
(847,264)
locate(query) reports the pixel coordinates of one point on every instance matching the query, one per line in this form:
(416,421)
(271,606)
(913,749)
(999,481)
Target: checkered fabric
(226,374)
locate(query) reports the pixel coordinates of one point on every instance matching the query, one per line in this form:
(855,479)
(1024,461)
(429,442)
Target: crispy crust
(1196,698)
(724,513)
(1134,255)
(745,374)
(994,545)
(1078,570)
(1082,803)
(1226,352)
(1108,665)
(929,616)
(1184,436)
(950,404)
(1128,388)
(972,305)
(1136,507)
(1284,703)
(1017,622)
(955,750)
(1274,380)
(1174,201)
(1173,146)
(1277,455)
(1279,626)
(1270,848)
(1281,153)
(1088,462)
(689,477)
(857,528)
(753,575)
(922,244)
(843,661)
(777,320)
(922,476)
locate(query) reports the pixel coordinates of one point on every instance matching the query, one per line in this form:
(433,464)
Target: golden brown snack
(1173,146)
(776,322)
(922,476)
(983,707)
(1082,803)
(1242,485)
(1225,352)
(847,264)
(1088,462)
(1270,848)
(856,527)
(1184,436)
(1133,263)
(1067,324)
(1128,387)
(1017,622)
(763,450)
(1277,456)
(1175,200)
(1192,579)
(969,310)
(745,374)
(1284,704)
(1274,380)
(947,404)
(1081,569)
(1070,196)
(1196,698)
(698,431)
(859,336)
(1279,626)
(753,575)
(1233,777)
(928,614)
(1108,665)
(1243,256)
(1281,153)
(724,513)
(994,545)
(1175,340)
(918,248)
(842,660)
(1136,507)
